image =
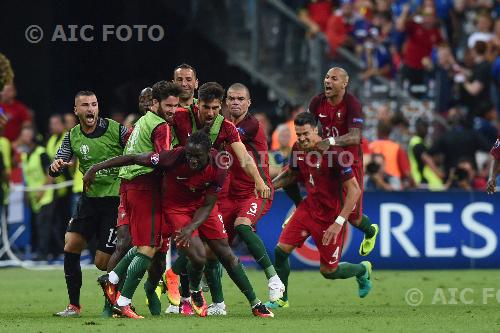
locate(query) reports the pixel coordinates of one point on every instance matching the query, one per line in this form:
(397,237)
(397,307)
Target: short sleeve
(354,112)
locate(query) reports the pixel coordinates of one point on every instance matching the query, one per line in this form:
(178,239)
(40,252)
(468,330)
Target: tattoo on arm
(284,179)
(349,139)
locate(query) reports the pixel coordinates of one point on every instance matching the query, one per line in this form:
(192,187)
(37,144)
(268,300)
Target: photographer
(376,179)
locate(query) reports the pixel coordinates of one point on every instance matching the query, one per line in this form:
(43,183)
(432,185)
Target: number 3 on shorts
(253,209)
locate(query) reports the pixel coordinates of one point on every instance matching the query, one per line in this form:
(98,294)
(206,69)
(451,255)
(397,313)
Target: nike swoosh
(181,178)
(109,245)
(332,262)
(322,115)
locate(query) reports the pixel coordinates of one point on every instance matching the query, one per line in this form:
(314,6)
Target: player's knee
(73,243)
(287,248)
(242,221)
(228,259)
(101,262)
(198,260)
(159,262)
(326,271)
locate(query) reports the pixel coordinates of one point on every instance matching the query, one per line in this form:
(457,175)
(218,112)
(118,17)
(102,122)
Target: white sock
(275,279)
(221,304)
(123,301)
(113,277)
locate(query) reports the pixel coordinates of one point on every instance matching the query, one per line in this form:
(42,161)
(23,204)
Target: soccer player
(332,193)
(185,76)
(495,168)
(205,115)
(341,120)
(140,206)
(191,182)
(94,140)
(240,209)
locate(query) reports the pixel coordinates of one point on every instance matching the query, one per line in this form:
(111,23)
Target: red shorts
(250,207)
(358,208)
(212,228)
(141,209)
(303,225)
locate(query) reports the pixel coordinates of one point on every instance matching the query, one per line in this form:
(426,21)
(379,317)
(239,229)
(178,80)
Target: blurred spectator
(458,142)
(315,14)
(396,160)
(377,179)
(422,34)
(118,116)
(17,113)
(464,177)
(485,122)
(35,164)
(295,110)
(477,87)
(264,122)
(400,129)
(346,27)
(423,169)
(482,30)
(70,120)
(446,70)
(376,56)
(130,120)
(278,158)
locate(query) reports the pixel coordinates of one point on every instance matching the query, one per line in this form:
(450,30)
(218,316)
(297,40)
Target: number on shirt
(111,238)
(253,209)
(331,131)
(222,221)
(311,179)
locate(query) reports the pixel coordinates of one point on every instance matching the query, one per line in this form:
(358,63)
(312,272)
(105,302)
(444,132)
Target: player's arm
(352,190)
(199,217)
(62,159)
(492,181)
(286,178)
(248,165)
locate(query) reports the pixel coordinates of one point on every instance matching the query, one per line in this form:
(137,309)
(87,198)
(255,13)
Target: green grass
(28,298)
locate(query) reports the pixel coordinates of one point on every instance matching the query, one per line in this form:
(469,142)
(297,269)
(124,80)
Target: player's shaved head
(340,71)
(145,99)
(185,66)
(83,93)
(239,87)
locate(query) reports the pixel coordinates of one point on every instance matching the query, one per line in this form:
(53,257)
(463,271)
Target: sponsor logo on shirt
(346,171)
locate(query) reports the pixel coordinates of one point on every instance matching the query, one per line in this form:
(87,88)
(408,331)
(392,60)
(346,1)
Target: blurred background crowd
(427,73)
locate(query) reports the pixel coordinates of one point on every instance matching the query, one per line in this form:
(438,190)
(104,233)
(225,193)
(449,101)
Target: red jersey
(184,127)
(185,188)
(253,137)
(495,151)
(419,44)
(336,120)
(322,175)
(17,113)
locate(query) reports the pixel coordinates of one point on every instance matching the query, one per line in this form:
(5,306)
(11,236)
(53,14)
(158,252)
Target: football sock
(73,275)
(122,266)
(282,265)
(256,248)
(366,227)
(195,274)
(135,272)
(157,268)
(154,303)
(179,266)
(184,285)
(212,273)
(239,277)
(346,270)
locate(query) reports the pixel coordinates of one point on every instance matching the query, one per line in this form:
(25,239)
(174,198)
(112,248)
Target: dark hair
(210,91)
(84,93)
(240,86)
(305,118)
(185,66)
(200,138)
(384,128)
(163,89)
(480,47)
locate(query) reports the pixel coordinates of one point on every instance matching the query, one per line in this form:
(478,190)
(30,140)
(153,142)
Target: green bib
(214,130)
(52,147)
(91,151)
(435,183)
(140,142)
(35,176)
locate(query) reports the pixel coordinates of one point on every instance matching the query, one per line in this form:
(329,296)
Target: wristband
(340,220)
(332,141)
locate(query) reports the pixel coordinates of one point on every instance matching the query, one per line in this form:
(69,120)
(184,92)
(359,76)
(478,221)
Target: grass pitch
(448,301)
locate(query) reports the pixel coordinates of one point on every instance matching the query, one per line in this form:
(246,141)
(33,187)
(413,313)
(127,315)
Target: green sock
(346,270)
(195,275)
(366,227)
(122,266)
(212,273)
(239,277)
(107,310)
(154,303)
(135,272)
(282,265)
(256,248)
(179,266)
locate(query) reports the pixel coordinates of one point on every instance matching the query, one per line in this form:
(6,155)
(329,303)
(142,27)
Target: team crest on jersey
(155,159)
(84,149)
(339,114)
(497,144)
